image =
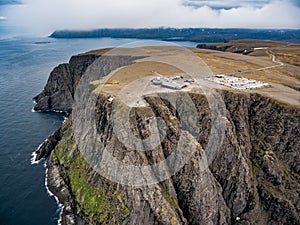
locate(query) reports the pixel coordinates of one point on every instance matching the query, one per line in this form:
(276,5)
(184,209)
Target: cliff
(59,90)
(58,93)
(254,177)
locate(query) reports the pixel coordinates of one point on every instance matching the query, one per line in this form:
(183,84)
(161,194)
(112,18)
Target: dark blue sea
(25,64)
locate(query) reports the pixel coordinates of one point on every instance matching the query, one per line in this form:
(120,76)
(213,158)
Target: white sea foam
(65,118)
(60,206)
(33,157)
(32,160)
(56,111)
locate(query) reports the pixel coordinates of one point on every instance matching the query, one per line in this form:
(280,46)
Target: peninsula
(223,155)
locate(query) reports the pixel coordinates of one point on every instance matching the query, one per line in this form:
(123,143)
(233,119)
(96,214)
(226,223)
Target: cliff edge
(252,178)
(59,91)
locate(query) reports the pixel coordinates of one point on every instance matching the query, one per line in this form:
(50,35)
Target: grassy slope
(93,200)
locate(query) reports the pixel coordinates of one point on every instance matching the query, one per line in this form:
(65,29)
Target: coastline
(56,179)
(34,154)
(37,158)
(60,206)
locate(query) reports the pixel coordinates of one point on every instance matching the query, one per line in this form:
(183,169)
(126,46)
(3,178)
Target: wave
(33,161)
(60,206)
(55,111)
(33,157)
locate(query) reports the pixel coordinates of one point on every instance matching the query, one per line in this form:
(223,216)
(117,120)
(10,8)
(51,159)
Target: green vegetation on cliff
(95,202)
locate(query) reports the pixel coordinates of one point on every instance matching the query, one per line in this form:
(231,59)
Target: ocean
(25,64)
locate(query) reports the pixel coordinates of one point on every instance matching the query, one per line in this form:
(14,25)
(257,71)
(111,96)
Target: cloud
(2,18)
(48,15)
(220,4)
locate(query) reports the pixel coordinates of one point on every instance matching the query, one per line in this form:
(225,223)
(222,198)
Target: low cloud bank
(42,17)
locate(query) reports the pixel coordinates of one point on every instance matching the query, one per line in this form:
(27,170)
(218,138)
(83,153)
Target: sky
(45,16)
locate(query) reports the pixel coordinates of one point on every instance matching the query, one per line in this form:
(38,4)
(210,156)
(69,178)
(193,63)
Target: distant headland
(207,35)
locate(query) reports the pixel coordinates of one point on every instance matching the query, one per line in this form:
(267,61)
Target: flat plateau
(132,82)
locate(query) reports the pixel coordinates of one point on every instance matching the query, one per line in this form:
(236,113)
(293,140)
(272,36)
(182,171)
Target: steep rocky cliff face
(58,94)
(253,178)
(59,91)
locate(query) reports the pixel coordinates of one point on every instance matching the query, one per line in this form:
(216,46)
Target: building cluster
(236,82)
(169,82)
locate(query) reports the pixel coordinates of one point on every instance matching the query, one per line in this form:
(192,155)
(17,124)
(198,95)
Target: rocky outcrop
(214,47)
(58,94)
(227,47)
(243,46)
(253,179)
(59,90)
(48,145)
